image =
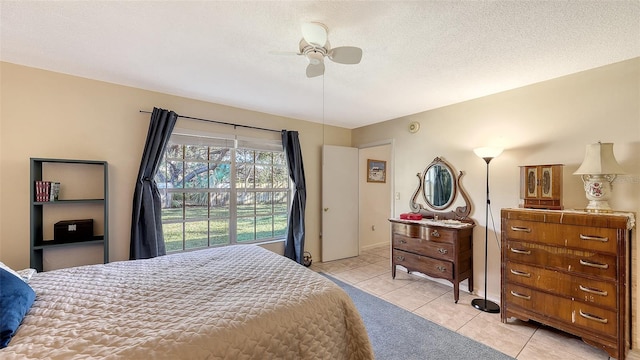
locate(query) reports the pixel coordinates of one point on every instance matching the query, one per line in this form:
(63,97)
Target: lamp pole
(484,304)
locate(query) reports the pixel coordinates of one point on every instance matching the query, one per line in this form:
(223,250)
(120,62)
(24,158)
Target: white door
(339,202)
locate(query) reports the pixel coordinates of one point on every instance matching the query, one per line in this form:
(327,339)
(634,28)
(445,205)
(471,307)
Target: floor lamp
(487,154)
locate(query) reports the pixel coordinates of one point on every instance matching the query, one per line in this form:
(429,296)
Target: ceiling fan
(315,46)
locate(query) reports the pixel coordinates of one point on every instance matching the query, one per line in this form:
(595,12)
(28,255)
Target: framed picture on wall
(376,171)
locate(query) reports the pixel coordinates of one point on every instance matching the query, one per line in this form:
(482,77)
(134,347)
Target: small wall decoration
(376,171)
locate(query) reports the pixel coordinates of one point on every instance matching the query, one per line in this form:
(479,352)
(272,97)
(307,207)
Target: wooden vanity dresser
(569,270)
(441,244)
(434,248)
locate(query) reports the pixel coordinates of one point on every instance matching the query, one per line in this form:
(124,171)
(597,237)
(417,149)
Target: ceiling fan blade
(346,54)
(314,33)
(315,70)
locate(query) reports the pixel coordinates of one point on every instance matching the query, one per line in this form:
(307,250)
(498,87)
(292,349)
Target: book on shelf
(54,191)
(47,190)
(40,191)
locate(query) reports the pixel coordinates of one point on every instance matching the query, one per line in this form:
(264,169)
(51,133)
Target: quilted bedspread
(235,302)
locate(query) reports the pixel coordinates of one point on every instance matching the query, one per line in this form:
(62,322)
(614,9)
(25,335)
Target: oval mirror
(439,185)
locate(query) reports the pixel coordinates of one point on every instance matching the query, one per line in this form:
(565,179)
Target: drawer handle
(518,251)
(526,297)
(592,290)
(595,238)
(442,251)
(593,317)
(595,265)
(403,241)
(520,229)
(435,233)
(441,268)
(400,258)
(520,273)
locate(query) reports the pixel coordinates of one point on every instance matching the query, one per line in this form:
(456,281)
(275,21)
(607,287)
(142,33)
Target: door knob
(326,209)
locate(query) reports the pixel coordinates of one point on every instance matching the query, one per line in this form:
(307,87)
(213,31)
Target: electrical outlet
(397,196)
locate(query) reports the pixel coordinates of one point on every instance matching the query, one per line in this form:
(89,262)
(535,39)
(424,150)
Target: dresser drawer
(571,312)
(406,230)
(423,264)
(600,293)
(425,232)
(438,234)
(424,247)
(564,259)
(582,237)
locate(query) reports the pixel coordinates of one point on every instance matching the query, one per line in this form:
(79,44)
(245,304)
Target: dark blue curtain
(147,240)
(294,245)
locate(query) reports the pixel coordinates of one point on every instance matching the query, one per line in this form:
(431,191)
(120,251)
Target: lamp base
(598,190)
(598,206)
(486,305)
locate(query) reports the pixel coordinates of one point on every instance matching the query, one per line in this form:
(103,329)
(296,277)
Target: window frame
(278,196)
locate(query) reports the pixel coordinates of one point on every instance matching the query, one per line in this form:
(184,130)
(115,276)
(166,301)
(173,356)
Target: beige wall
(548,122)
(375,199)
(52,115)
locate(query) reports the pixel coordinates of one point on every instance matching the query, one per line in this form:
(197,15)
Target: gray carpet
(396,333)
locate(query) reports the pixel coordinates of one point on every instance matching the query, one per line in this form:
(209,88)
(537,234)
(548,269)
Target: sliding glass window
(220,191)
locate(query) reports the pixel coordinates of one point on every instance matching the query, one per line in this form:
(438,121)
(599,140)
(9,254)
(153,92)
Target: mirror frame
(438,162)
(428,210)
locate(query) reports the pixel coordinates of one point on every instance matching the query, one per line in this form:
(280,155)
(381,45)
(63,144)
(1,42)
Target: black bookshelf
(37,209)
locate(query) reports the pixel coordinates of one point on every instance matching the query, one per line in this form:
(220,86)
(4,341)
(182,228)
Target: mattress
(235,302)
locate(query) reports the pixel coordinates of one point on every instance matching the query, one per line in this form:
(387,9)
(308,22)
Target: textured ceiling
(418,55)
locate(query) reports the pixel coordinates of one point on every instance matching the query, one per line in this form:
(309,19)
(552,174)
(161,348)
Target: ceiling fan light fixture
(314,33)
(315,46)
(314,58)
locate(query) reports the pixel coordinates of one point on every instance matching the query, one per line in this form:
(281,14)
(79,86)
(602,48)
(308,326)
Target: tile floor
(434,301)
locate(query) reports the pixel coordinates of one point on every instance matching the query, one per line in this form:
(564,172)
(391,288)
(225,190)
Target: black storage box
(73,230)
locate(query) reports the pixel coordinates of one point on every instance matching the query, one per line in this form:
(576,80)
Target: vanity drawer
(573,313)
(600,293)
(582,237)
(406,230)
(438,234)
(424,247)
(423,264)
(432,233)
(563,259)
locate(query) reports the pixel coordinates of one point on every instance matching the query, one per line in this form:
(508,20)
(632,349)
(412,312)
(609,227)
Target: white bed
(235,302)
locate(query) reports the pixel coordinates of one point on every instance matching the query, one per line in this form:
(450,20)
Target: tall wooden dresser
(569,270)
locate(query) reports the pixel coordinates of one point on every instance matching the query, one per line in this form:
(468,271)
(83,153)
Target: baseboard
(376,245)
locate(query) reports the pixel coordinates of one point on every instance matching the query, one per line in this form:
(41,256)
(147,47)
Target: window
(218,191)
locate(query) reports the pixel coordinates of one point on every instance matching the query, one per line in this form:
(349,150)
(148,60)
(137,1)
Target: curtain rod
(220,122)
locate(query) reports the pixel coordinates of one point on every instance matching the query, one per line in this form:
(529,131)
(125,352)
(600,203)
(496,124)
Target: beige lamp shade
(599,159)
(488,152)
